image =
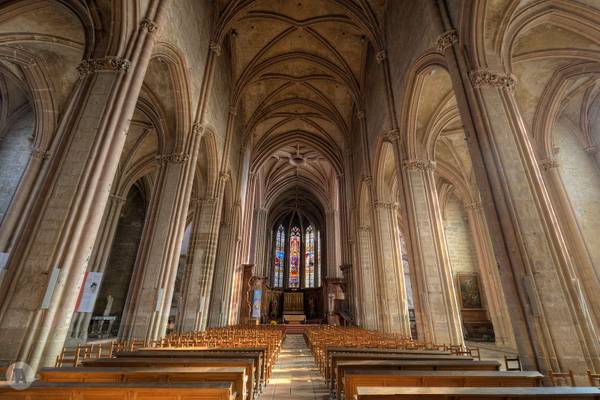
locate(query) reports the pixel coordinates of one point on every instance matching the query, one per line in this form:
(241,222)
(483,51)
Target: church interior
(299,199)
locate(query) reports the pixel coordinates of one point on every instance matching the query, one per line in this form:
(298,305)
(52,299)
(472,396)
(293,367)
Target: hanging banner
(256,303)
(89,293)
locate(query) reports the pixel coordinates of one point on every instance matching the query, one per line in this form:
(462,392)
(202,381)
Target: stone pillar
(50,264)
(561,325)
(247,291)
(150,302)
(490,277)
(368,290)
(330,223)
(217,315)
(391,277)
(262,253)
(99,258)
(333,292)
(438,311)
(196,292)
(348,288)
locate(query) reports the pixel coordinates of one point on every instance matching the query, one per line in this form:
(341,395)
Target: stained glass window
(309,257)
(318,280)
(294,271)
(279,257)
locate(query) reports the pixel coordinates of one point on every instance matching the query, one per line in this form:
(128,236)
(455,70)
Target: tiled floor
(295,375)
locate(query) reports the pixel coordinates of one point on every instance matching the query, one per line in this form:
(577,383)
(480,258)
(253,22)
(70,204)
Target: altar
(293,308)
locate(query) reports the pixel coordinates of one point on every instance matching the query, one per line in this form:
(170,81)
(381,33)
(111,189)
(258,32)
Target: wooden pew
(258,354)
(332,351)
(354,378)
(163,362)
(412,365)
(480,393)
(352,356)
(237,375)
(121,391)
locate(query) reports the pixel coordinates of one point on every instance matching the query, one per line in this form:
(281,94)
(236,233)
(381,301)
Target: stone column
(262,253)
(438,311)
(46,269)
(366,281)
(149,308)
(218,299)
(99,258)
(391,276)
(562,325)
(201,266)
(490,277)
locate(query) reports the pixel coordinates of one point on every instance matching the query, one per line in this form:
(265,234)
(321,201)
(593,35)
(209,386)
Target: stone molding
(148,25)
(548,164)
(233,110)
(105,64)
(484,78)
(423,165)
(173,158)
(386,205)
(380,56)
(446,40)
(215,47)
(360,114)
(368,179)
(364,229)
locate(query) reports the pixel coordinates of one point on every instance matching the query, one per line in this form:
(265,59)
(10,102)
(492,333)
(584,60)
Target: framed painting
(469,291)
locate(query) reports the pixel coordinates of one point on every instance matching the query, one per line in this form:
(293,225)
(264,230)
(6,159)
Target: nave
(186,184)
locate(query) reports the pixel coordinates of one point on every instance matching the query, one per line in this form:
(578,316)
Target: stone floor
(295,375)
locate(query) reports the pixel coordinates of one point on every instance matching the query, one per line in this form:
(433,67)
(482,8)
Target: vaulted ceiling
(298,67)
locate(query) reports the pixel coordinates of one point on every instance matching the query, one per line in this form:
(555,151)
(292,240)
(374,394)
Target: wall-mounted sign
(256,303)
(89,291)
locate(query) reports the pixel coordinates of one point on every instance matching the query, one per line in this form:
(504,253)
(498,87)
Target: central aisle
(295,375)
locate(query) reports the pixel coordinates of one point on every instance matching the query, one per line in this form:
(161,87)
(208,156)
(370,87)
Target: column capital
(485,78)
(149,25)
(446,40)
(215,47)
(364,229)
(39,154)
(392,136)
(423,165)
(476,205)
(225,176)
(105,64)
(360,113)
(385,204)
(233,109)
(173,158)
(548,164)
(368,179)
(198,128)
(115,198)
(380,56)
(591,149)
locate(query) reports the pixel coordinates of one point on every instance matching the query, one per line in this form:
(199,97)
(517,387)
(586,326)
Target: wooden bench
(413,365)
(481,393)
(261,366)
(237,375)
(332,351)
(354,378)
(121,391)
(163,362)
(337,357)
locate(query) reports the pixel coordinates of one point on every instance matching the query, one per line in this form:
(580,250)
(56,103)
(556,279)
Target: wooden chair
(557,378)
(513,363)
(594,378)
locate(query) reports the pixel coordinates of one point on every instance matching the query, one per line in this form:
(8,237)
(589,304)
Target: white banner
(91,287)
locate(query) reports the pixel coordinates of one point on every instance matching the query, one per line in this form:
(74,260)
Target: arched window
(309,257)
(318,280)
(294,271)
(279,257)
